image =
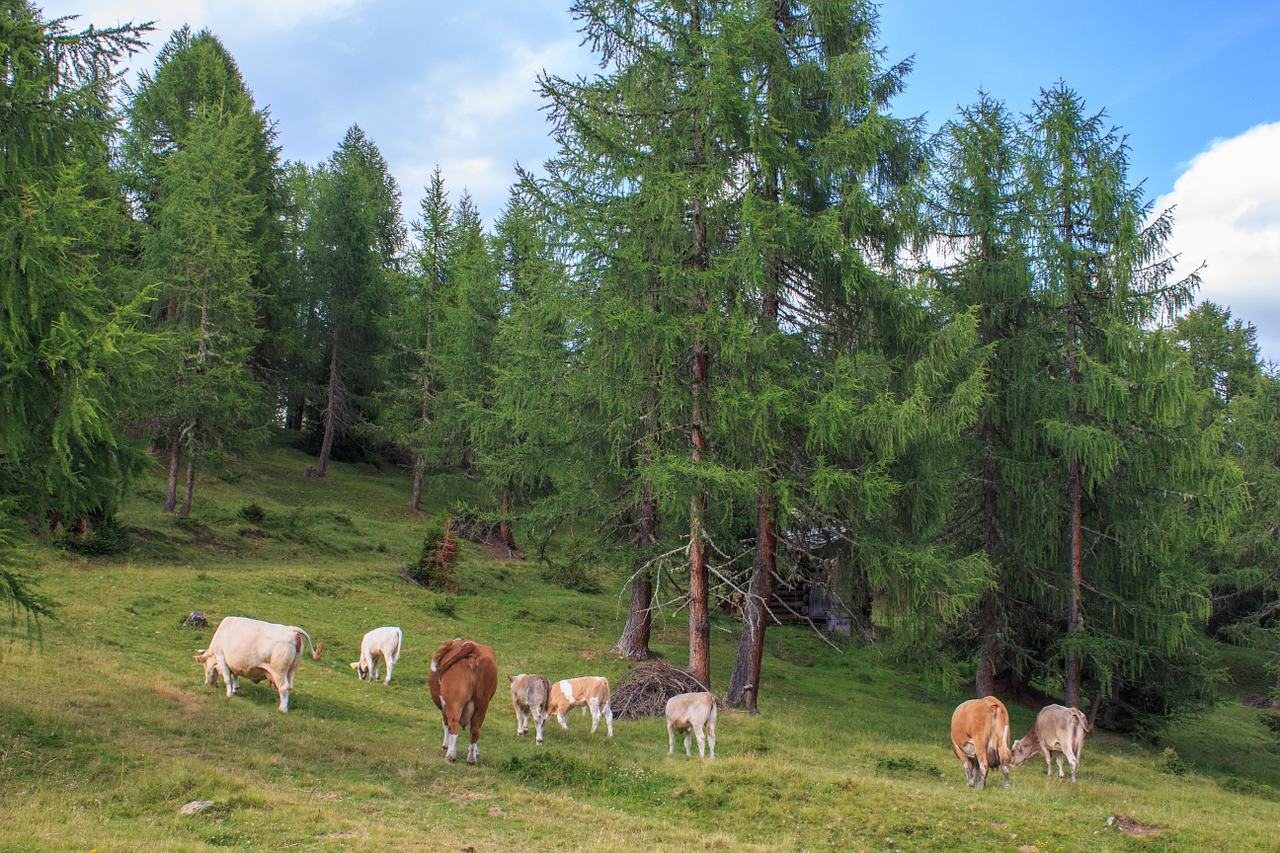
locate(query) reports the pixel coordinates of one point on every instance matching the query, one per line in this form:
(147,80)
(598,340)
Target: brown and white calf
(381,645)
(462,681)
(980,738)
(589,692)
(529,697)
(255,650)
(1057,729)
(692,713)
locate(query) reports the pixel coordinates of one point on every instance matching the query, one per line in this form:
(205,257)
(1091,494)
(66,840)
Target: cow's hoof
(452,759)
(471,761)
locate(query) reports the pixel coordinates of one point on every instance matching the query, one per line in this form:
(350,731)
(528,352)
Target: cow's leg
(711,737)
(608,717)
(671,738)
(564,720)
(477,722)
(228,678)
(391,662)
(702,741)
(451,724)
(539,720)
(376,661)
(594,705)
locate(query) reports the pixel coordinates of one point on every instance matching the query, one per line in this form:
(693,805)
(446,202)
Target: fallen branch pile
(644,691)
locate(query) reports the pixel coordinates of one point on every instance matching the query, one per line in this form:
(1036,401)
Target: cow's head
(210,664)
(361,671)
(1021,751)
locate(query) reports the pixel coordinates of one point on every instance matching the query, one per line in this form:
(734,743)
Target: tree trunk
(985,682)
(415,500)
(1075,526)
(505,535)
(634,642)
(744,683)
(293,413)
(330,413)
(175,456)
(189,493)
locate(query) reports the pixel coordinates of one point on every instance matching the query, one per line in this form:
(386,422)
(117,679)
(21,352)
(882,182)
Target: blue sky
(1194,85)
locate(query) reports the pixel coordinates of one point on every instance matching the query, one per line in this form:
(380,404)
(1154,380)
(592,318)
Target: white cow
(529,697)
(256,650)
(381,645)
(588,692)
(692,713)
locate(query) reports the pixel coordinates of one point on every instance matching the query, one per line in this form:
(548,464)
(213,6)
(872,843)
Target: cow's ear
(355,665)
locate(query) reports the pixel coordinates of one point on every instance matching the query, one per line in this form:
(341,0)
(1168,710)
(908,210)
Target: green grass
(106,727)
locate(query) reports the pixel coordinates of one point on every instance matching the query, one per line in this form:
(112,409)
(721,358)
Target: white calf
(692,713)
(378,646)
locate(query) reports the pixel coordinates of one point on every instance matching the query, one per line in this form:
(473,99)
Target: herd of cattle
(464,678)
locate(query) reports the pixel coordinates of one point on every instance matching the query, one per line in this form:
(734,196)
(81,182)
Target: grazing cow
(529,697)
(980,738)
(381,645)
(256,650)
(692,713)
(588,692)
(463,678)
(1056,729)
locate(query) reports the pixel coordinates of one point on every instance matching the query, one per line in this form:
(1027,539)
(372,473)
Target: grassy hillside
(106,727)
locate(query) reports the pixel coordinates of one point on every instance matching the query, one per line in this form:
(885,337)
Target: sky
(1194,85)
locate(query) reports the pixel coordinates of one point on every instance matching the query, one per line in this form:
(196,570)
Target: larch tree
(981,221)
(73,351)
(354,239)
(1122,422)
(199,246)
(643,172)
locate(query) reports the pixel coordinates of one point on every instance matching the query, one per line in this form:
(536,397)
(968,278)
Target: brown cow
(1057,729)
(980,738)
(529,695)
(463,678)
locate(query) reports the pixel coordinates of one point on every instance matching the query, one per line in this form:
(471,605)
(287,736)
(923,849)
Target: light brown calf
(692,713)
(980,738)
(1057,729)
(590,692)
(529,697)
(463,678)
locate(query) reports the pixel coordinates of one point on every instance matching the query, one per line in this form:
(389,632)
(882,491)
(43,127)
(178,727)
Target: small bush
(1271,721)
(446,605)
(1174,763)
(434,566)
(1250,788)
(575,574)
(253,513)
(100,538)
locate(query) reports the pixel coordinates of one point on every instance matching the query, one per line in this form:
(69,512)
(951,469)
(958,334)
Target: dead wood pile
(644,691)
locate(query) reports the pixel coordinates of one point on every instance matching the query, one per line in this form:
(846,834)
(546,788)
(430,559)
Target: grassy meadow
(106,727)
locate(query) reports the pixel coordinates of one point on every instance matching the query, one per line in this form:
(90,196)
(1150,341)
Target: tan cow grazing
(463,678)
(980,738)
(529,697)
(256,650)
(381,645)
(588,692)
(692,713)
(1057,729)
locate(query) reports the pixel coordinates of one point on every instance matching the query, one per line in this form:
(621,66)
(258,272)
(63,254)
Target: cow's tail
(450,653)
(315,650)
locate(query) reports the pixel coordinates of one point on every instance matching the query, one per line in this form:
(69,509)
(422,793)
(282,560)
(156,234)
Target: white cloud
(240,15)
(1228,217)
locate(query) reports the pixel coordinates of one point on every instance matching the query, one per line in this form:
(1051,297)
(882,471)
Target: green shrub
(1173,763)
(253,513)
(434,567)
(102,537)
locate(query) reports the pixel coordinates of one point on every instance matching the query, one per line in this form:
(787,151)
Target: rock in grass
(195,807)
